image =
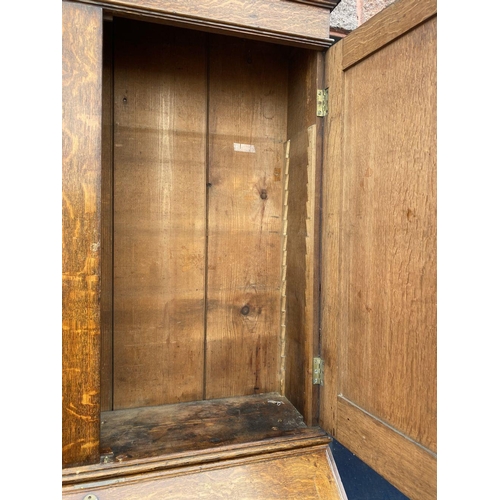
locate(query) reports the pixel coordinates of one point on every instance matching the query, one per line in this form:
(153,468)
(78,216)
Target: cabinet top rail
(303,23)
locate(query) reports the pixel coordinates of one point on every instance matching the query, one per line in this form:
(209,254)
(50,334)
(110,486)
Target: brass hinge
(318,371)
(322,102)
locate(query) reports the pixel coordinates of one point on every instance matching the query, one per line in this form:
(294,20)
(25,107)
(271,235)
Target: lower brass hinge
(322,102)
(318,371)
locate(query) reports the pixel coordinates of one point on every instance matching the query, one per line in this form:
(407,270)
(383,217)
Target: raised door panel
(379,258)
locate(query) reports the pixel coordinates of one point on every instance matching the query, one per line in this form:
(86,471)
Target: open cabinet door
(378,322)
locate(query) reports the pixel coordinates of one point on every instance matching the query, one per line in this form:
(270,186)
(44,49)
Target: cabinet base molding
(243,447)
(306,473)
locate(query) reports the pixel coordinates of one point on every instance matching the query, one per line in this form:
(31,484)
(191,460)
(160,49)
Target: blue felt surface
(360,481)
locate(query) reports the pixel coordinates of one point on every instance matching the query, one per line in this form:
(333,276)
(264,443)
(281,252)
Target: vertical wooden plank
(159,214)
(81,179)
(330,245)
(247,132)
(107,222)
(303,233)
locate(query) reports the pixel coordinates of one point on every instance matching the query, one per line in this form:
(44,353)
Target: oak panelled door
(379,246)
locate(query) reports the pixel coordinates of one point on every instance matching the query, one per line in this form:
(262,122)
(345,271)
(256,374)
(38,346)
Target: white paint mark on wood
(244,148)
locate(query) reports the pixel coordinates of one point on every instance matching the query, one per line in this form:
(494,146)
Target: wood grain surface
(301,23)
(330,232)
(159,214)
(151,439)
(378,314)
(302,280)
(296,474)
(164,430)
(107,221)
(386,26)
(403,462)
(388,360)
(81,178)
(247,134)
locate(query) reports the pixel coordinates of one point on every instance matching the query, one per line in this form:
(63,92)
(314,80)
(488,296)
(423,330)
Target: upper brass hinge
(322,102)
(318,371)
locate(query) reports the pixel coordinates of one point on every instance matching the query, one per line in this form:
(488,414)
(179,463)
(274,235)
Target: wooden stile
(81,153)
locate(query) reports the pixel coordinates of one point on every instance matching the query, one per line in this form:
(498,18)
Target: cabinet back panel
(159,214)
(200,125)
(247,130)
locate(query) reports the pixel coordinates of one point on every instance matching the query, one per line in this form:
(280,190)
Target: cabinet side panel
(81,179)
(247,134)
(331,324)
(302,280)
(159,214)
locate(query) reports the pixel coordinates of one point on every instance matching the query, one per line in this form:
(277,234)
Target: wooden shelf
(199,445)
(140,440)
(200,425)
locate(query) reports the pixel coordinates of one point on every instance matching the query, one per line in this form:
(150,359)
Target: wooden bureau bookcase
(249,262)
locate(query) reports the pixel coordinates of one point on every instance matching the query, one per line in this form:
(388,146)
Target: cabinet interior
(210,171)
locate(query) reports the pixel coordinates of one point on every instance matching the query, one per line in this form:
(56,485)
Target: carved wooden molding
(303,23)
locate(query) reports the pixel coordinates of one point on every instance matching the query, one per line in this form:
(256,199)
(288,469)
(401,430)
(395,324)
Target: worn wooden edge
(311,276)
(385,27)
(336,473)
(376,443)
(305,438)
(100,483)
(316,267)
(81,186)
(318,182)
(127,9)
(328,4)
(330,237)
(284,241)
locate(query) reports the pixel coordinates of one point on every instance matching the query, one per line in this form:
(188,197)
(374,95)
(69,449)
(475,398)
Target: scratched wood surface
(247,134)
(81,177)
(302,281)
(160,430)
(296,474)
(159,214)
(151,439)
